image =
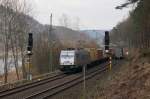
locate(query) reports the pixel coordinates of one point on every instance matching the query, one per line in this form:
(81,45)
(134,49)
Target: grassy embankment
(130,81)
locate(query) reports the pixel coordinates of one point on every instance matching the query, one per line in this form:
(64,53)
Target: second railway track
(50,86)
(49,92)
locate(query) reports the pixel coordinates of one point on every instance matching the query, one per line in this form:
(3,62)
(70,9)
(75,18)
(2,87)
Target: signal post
(110,62)
(108,52)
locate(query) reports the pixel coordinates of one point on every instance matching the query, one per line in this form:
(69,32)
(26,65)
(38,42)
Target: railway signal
(107,50)
(107,41)
(30,44)
(29,54)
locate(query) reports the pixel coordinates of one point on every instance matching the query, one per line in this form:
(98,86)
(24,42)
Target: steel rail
(63,86)
(31,85)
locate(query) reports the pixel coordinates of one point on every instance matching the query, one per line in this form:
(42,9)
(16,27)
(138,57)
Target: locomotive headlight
(106,51)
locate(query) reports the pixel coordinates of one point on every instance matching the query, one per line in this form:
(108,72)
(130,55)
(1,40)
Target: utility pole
(50,45)
(96,38)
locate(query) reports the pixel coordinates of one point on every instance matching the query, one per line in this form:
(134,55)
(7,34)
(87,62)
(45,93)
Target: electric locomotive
(73,60)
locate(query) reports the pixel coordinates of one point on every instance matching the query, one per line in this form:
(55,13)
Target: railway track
(48,87)
(14,84)
(30,85)
(49,92)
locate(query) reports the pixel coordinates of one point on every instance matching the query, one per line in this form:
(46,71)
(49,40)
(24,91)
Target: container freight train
(73,60)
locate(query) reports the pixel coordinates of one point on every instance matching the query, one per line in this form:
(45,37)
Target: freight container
(99,53)
(93,53)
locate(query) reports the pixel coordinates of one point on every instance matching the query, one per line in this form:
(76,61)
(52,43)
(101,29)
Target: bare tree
(76,24)
(14,29)
(64,21)
(135,30)
(72,23)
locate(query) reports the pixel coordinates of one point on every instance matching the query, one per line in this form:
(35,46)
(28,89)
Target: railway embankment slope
(131,82)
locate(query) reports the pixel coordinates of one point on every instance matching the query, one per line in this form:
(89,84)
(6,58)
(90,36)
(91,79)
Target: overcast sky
(93,14)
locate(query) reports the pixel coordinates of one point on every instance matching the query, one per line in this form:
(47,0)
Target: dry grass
(132,82)
(12,77)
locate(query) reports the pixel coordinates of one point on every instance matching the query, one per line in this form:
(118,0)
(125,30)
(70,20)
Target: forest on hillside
(134,32)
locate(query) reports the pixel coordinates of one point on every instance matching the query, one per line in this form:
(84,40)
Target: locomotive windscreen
(67,57)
